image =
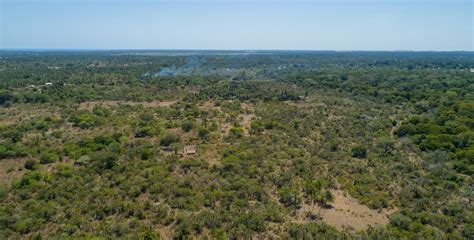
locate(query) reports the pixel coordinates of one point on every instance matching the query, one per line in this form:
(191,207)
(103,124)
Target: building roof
(190,149)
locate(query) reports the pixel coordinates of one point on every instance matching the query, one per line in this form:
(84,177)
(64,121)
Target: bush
(3,152)
(236,132)
(84,120)
(25,226)
(386,144)
(6,97)
(203,133)
(401,221)
(48,157)
(146,117)
(290,197)
(405,130)
(147,153)
(359,151)
(104,159)
(313,231)
(187,126)
(255,127)
(12,150)
(31,164)
(146,131)
(41,125)
(169,139)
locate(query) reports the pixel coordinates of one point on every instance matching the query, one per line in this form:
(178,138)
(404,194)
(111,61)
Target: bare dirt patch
(11,170)
(224,128)
(346,213)
(247,107)
(246,119)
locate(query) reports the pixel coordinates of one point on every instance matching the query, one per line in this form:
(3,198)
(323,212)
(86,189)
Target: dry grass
(209,105)
(246,119)
(346,213)
(211,154)
(11,170)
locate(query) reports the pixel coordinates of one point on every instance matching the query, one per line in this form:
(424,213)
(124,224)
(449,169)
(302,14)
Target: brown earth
(246,119)
(11,170)
(346,213)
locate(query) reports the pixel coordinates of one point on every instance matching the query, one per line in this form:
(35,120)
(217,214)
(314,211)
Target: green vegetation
(232,145)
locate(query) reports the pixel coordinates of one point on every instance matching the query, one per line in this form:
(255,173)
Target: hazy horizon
(341,25)
(210,50)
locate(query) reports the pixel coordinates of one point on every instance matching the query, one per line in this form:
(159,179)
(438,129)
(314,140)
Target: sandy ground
(346,213)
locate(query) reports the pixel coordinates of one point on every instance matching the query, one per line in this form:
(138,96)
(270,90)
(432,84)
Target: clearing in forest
(11,170)
(346,213)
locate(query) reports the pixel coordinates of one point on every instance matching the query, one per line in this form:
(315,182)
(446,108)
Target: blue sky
(238,24)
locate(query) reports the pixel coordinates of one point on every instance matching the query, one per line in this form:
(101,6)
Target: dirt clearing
(346,213)
(11,170)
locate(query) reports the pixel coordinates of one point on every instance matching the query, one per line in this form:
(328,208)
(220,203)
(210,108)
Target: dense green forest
(236,145)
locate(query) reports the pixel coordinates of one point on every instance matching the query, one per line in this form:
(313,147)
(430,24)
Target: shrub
(290,197)
(6,97)
(405,130)
(146,131)
(147,153)
(3,152)
(359,151)
(187,126)
(146,117)
(203,133)
(25,226)
(236,132)
(48,157)
(313,231)
(41,125)
(169,139)
(401,221)
(31,164)
(255,127)
(104,159)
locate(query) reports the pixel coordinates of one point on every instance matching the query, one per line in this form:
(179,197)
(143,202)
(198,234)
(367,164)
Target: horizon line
(236,50)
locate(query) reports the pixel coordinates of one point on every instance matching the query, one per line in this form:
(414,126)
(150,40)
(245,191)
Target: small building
(472,70)
(188,150)
(48,84)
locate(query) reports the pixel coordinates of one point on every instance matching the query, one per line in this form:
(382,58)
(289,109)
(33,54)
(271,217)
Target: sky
(419,25)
